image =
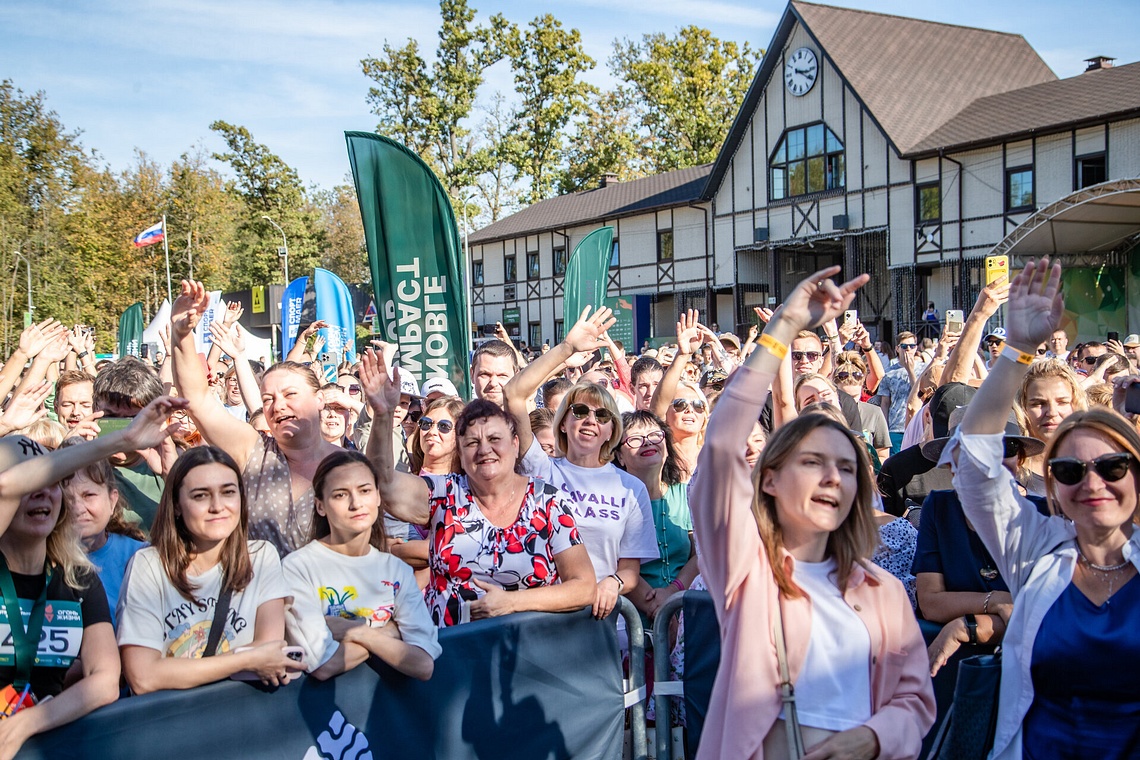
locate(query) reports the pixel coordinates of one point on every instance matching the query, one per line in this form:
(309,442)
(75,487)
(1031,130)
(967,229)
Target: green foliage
(605,142)
(685,91)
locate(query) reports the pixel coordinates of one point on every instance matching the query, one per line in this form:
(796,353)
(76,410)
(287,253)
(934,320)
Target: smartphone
(954,320)
(1132,399)
(996,266)
(851,316)
(108,425)
(1114,335)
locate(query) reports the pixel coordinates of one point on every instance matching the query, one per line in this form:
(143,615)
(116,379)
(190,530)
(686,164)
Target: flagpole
(166,250)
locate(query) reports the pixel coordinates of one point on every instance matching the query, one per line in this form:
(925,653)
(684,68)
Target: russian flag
(150,236)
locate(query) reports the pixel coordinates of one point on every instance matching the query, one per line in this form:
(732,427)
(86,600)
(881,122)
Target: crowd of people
(213,517)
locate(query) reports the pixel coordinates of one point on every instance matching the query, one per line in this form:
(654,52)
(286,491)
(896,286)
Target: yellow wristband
(775,347)
(1011,353)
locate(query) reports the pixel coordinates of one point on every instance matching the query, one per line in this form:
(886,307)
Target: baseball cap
(1132,340)
(438,385)
(727,337)
(408,385)
(997,332)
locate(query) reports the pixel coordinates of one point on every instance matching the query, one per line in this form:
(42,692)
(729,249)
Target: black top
(93,607)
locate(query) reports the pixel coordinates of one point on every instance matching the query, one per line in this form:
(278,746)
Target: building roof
(1049,106)
(619,199)
(911,75)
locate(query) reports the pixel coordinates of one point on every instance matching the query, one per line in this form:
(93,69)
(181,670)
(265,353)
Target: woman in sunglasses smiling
(611,507)
(1066,690)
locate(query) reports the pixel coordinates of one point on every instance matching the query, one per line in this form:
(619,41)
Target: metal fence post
(635,697)
(664,690)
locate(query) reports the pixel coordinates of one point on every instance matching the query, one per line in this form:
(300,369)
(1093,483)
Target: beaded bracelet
(775,347)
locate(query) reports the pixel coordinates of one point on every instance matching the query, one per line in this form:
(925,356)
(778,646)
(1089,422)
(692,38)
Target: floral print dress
(464,546)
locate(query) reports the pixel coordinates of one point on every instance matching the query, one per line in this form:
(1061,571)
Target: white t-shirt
(376,587)
(611,507)
(833,690)
(153,614)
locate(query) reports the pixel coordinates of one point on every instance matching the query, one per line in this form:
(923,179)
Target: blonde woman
(1049,393)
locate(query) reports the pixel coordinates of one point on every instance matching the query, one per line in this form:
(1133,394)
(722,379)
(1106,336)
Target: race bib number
(60,638)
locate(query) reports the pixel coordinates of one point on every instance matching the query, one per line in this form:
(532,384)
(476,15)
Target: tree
(426,111)
(201,216)
(346,254)
(605,142)
(547,61)
(266,186)
(496,183)
(685,90)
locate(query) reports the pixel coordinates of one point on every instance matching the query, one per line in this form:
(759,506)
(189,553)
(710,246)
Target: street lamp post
(29,268)
(284,249)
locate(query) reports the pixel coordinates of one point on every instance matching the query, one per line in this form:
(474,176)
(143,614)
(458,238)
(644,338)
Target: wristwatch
(972,628)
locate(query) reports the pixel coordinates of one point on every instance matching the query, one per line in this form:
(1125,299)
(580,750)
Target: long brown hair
(1107,424)
(454,407)
(321,527)
(173,540)
(853,541)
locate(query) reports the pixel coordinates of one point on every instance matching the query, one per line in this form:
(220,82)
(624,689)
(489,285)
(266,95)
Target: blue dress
(1086,694)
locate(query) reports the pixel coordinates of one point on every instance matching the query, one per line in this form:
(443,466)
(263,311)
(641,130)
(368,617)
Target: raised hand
(764,313)
(502,334)
(818,299)
(87,428)
(228,338)
(35,338)
(380,389)
(311,329)
(188,308)
(26,407)
(77,340)
(58,349)
(688,332)
(1035,305)
(152,425)
(233,313)
(318,344)
(586,334)
(992,296)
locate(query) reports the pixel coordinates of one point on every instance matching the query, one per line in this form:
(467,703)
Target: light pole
(467,265)
(29,267)
(284,249)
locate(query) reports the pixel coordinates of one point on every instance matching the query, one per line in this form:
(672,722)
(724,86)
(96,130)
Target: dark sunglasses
(635,442)
(1041,351)
(581,412)
(414,415)
(1090,360)
(810,356)
(1110,467)
(993,342)
(844,377)
(907,346)
(426,423)
(682,405)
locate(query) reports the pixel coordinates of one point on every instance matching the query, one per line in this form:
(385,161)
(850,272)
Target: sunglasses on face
(907,346)
(847,377)
(1090,360)
(352,390)
(581,412)
(635,442)
(991,343)
(682,405)
(414,415)
(1041,351)
(811,356)
(426,424)
(1110,467)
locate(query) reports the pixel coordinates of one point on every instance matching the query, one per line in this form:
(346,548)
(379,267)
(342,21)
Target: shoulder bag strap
(218,624)
(25,641)
(787,690)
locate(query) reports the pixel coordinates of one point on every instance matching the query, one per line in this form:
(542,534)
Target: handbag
(967,732)
(787,690)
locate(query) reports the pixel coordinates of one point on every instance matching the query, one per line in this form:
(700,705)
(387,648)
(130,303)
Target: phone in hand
(996,266)
(851,317)
(108,425)
(1114,335)
(955,319)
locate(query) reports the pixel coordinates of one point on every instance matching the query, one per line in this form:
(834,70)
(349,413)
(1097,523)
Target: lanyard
(24,641)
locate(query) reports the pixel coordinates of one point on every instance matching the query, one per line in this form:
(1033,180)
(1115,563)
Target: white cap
(438,385)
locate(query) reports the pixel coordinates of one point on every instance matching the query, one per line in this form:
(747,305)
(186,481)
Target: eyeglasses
(426,424)
(352,390)
(581,412)
(1090,360)
(682,405)
(635,442)
(811,356)
(844,377)
(1110,467)
(907,346)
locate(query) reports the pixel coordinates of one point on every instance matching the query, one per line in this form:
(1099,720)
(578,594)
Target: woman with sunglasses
(680,401)
(785,552)
(849,379)
(1049,393)
(647,453)
(499,542)
(1066,689)
(611,507)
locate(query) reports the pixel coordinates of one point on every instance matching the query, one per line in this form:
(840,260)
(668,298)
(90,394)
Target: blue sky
(152,75)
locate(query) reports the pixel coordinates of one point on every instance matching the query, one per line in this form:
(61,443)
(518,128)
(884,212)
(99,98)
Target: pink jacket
(746,699)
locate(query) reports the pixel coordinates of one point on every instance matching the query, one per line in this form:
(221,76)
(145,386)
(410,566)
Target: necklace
(1102,568)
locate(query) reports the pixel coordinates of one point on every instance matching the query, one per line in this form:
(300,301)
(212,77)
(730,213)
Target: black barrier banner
(702,659)
(530,685)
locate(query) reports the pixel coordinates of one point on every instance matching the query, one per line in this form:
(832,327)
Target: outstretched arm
(688,343)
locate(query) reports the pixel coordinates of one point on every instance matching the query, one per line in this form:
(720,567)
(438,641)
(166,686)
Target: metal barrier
(664,690)
(635,696)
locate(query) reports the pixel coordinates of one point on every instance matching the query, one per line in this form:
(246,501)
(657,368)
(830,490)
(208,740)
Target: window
(560,261)
(511,269)
(532,266)
(615,258)
(559,332)
(664,245)
(534,334)
(929,202)
(1091,170)
(807,160)
(477,273)
(1019,189)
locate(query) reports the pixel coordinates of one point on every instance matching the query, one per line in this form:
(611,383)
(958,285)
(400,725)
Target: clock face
(800,71)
